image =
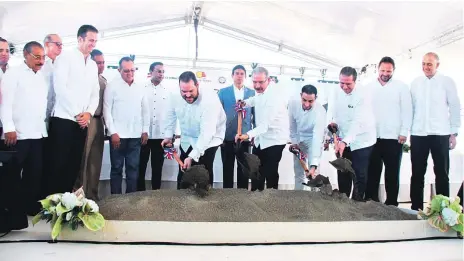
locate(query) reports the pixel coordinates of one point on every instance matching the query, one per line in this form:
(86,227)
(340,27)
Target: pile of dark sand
(239,205)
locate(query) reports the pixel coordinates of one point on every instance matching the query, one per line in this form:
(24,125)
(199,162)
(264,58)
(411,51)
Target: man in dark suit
(228,97)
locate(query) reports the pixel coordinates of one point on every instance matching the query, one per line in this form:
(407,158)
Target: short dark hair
(125,59)
(349,71)
(153,65)
(387,59)
(238,67)
(83,30)
(3,40)
(95,52)
(29,45)
(187,76)
(309,89)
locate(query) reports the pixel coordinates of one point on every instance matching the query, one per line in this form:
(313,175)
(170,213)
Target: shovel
(196,177)
(311,183)
(341,164)
(248,162)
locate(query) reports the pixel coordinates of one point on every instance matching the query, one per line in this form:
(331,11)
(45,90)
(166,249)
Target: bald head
(430,63)
(53,45)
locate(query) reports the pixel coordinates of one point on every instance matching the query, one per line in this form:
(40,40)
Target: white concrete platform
(217,233)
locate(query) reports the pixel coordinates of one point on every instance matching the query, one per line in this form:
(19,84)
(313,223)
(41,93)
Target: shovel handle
(335,138)
(177,158)
(239,123)
(305,167)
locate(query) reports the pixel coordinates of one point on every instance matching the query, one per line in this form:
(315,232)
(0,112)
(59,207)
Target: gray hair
(434,55)
(259,70)
(48,38)
(29,45)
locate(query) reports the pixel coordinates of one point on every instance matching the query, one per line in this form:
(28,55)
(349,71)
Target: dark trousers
(421,146)
(207,160)
(460,195)
(157,160)
(67,142)
(12,212)
(28,165)
(360,163)
(228,165)
(46,185)
(388,152)
(128,155)
(269,169)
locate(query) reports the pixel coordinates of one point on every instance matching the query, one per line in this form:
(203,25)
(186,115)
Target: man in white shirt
(4,58)
(353,116)
(53,47)
(202,124)
(158,98)
(76,86)
(271,133)
(127,117)
(393,115)
(435,125)
(89,176)
(229,97)
(23,113)
(307,125)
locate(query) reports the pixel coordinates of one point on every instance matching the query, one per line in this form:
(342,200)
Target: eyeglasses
(38,57)
(158,71)
(128,71)
(57,44)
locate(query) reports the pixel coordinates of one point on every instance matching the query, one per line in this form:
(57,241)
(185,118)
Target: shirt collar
(236,88)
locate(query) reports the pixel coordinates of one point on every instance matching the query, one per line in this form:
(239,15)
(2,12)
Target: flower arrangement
(71,209)
(444,213)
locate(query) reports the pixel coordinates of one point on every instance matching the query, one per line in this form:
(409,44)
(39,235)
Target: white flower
(69,200)
(443,204)
(56,198)
(69,216)
(93,206)
(450,217)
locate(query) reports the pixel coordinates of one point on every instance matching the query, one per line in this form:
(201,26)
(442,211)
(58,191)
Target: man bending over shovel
(307,124)
(271,132)
(353,119)
(202,123)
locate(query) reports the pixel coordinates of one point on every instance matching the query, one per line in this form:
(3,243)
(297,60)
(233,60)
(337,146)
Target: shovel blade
(342,164)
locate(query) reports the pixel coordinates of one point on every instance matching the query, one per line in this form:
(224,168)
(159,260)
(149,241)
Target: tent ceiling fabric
(352,33)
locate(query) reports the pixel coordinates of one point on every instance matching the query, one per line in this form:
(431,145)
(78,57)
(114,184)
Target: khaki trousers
(91,165)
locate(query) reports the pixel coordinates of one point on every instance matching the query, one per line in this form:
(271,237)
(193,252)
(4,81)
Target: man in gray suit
(229,97)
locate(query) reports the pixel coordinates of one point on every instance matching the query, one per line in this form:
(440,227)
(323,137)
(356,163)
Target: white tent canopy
(286,35)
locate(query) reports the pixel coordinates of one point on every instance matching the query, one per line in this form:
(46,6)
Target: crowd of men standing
(57,109)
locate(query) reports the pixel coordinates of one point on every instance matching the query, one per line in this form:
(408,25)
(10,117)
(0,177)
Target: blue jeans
(128,151)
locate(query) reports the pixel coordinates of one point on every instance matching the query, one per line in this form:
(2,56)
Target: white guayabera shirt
(202,123)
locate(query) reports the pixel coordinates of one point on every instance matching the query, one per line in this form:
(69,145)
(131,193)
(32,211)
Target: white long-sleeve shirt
(1,76)
(47,71)
(202,123)
(126,109)
(158,97)
(271,118)
(76,85)
(392,108)
(307,125)
(436,106)
(355,118)
(24,103)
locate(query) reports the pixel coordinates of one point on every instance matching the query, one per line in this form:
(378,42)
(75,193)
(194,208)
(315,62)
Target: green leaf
(92,221)
(435,205)
(46,203)
(37,218)
(60,209)
(455,206)
(458,228)
(57,227)
(437,222)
